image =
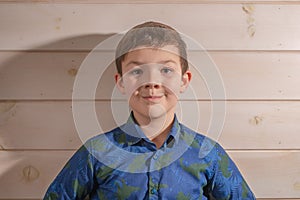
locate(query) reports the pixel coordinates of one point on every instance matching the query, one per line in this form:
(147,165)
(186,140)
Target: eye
(167,70)
(136,72)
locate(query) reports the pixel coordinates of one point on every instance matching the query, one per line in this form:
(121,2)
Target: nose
(152,85)
(152,79)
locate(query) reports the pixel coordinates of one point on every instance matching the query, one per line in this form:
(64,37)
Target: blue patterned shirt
(124,164)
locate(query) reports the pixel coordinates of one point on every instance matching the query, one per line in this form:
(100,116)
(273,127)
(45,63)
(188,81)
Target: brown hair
(152,34)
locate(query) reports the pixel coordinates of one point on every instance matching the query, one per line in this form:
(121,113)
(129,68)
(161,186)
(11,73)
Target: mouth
(153,98)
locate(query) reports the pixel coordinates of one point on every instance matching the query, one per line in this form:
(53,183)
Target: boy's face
(152,80)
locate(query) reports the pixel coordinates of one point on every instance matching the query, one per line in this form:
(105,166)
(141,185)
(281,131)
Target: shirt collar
(134,134)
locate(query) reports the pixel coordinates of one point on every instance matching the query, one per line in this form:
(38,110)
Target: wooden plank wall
(255,44)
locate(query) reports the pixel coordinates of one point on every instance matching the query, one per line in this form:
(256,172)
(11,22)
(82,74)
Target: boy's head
(151,34)
(152,70)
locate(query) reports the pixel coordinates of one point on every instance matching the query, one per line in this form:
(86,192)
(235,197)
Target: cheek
(131,101)
(131,86)
(173,86)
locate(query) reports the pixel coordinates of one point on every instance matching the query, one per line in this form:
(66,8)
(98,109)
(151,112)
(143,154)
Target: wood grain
(152,2)
(17,184)
(50,125)
(247,27)
(245,75)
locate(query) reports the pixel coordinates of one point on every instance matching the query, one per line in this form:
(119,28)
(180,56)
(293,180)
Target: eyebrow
(141,63)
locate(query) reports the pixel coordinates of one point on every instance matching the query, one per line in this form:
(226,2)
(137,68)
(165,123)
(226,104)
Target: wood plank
(17,183)
(261,125)
(60,26)
(259,75)
(41,125)
(38,75)
(150,1)
(246,75)
(273,169)
(249,125)
(50,125)
(268,180)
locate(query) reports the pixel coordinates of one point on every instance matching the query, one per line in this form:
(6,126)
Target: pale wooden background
(255,44)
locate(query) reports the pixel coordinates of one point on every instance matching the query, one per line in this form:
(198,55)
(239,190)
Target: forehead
(145,54)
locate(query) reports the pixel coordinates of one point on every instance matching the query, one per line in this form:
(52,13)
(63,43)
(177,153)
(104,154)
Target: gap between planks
(152,1)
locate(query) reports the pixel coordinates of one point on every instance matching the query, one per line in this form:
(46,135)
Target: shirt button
(153,191)
(155,157)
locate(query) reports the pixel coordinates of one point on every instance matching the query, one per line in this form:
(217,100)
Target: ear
(119,83)
(185,80)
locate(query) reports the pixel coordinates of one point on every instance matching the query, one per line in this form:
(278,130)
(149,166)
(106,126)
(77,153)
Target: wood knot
(251,30)
(72,72)
(256,120)
(30,173)
(297,186)
(248,9)
(6,106)
(58,19)
(7,111)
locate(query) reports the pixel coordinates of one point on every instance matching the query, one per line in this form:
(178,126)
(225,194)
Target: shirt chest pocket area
(116,184)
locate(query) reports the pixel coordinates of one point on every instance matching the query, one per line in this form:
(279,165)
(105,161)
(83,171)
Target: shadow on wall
(36,88)
(48,71)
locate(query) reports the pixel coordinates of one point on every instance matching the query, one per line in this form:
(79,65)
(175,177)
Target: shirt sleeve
(75,181)
(228,182)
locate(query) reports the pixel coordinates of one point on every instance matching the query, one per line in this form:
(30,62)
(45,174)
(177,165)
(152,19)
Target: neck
(156,129)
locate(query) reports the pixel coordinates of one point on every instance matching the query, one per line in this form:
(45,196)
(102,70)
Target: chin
(157,111)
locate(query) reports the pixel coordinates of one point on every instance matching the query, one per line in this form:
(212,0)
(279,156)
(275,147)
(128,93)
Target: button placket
(154,176)
(153,193)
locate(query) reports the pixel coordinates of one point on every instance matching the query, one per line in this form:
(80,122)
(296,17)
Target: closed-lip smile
(152,98)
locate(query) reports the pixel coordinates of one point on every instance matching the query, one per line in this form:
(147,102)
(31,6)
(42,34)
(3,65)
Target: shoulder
(204,145)
(101,141)
(198,137)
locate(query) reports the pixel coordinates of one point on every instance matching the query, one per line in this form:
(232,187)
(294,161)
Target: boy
(151,156)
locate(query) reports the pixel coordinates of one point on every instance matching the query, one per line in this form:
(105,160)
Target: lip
(153,99)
